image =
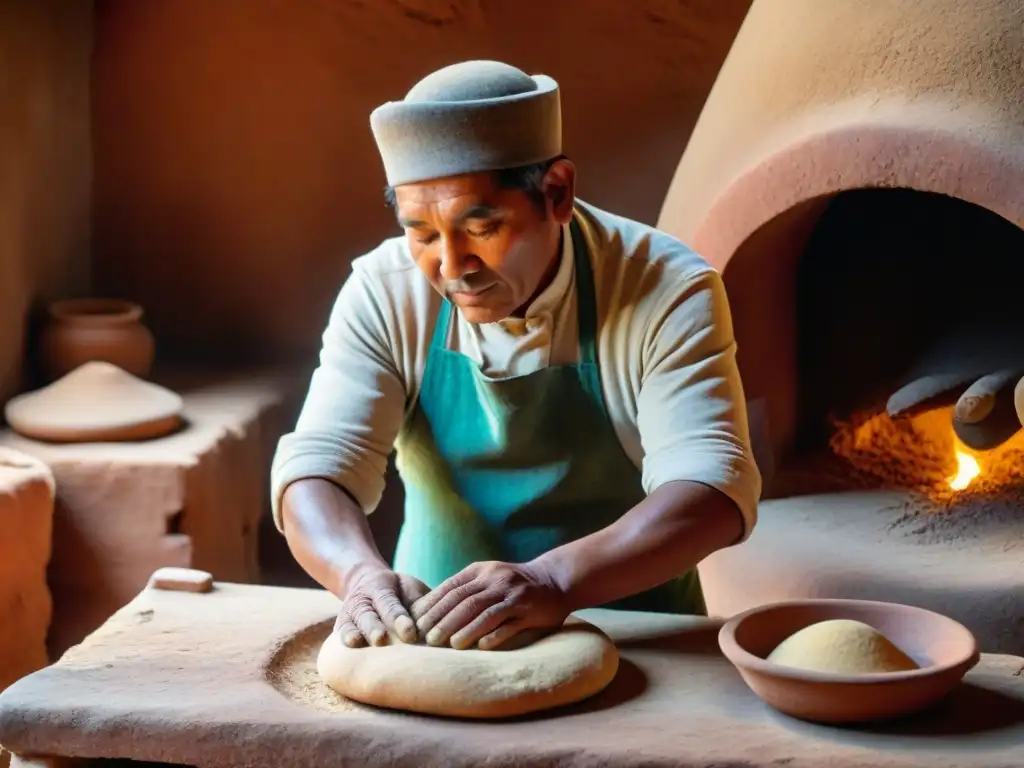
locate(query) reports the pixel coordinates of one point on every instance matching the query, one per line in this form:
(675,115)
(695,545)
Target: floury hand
(376,605)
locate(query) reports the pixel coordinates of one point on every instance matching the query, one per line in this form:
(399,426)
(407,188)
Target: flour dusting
(293,672)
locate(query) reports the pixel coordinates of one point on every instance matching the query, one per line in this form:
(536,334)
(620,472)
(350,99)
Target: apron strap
(440,337)
(586,303)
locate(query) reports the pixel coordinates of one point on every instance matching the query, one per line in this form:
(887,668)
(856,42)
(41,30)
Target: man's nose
(456,260)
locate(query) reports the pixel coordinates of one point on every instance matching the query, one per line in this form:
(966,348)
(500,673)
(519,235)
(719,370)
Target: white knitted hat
(468,117)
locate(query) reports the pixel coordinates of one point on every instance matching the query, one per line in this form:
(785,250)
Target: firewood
(923,389)
(978,400)
(995,429)
(1018,400)
(961,355)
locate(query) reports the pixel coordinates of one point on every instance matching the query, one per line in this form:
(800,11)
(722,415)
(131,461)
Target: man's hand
(487,604)
(377,603)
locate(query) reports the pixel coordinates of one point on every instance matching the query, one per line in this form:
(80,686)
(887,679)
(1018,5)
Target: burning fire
(966,470)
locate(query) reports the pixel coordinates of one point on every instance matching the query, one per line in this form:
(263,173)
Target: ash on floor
(870,451)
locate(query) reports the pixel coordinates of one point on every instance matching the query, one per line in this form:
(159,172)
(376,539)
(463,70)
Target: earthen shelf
(226,678)
(191,499)
(26,524)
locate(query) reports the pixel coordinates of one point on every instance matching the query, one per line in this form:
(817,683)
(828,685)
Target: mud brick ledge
(26,520)
(192,499)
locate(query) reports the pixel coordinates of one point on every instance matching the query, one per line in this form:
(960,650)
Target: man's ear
(560,189)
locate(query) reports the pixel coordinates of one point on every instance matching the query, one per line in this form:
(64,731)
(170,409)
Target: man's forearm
(327,533)
(663,536)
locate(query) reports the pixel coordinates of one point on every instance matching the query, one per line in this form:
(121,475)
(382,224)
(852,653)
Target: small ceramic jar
(79,331)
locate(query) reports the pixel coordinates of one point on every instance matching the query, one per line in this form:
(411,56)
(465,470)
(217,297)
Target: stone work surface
(26,520)
(880,545)
(221,679)
(63,762)
(192,499)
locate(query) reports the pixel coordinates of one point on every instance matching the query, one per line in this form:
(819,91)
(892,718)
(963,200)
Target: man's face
(486,249)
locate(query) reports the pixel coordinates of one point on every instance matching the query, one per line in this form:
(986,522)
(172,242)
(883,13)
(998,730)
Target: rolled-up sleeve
(691,411)
(354,407)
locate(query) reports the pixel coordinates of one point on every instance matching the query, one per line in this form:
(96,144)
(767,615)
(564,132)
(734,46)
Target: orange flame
(966,470)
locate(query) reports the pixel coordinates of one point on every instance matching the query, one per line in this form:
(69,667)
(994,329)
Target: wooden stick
(978,400)
(1018,400)
(995,429)
(923,389)
(964,353)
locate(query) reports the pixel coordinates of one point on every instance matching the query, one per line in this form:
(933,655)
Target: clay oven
(857,175)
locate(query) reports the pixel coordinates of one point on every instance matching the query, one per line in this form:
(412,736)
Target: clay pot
(944,649)
(79,331)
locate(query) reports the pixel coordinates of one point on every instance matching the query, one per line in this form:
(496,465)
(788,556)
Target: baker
(559,383)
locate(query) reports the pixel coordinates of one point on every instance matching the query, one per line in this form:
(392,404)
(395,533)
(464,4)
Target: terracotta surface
(194,498)
(26,522)
(63,762)
(676,702)
(865,545)
(46,174)
(235,184)
(943,649)
(818,97)
(96,402)
(79,331)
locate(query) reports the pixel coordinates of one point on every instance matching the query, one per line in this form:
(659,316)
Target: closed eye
(488,231)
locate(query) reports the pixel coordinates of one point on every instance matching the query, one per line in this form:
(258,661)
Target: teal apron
(511,468)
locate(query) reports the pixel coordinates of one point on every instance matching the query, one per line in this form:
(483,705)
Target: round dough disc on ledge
(568,666)
(96,402)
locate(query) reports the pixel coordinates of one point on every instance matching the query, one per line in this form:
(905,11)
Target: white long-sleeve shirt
(666,354)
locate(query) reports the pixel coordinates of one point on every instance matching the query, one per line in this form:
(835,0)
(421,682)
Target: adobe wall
(236,174)
(45,173)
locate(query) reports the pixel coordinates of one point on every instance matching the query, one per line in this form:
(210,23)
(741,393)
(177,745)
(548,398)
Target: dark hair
(528,179)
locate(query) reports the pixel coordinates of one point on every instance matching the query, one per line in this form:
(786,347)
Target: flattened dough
(96,402)
(563,668)
(841,646)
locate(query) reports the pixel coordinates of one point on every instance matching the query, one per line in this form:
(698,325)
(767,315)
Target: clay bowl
(944,649)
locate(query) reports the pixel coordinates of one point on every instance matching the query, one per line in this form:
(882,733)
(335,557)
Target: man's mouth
(473,296)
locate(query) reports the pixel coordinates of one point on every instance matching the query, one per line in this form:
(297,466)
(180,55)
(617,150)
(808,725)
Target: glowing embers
(922,453)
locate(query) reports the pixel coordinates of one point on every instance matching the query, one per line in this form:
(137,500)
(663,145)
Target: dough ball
(841,646)
(570,665)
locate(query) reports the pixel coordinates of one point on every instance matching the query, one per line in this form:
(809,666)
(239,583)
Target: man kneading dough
(559,382)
